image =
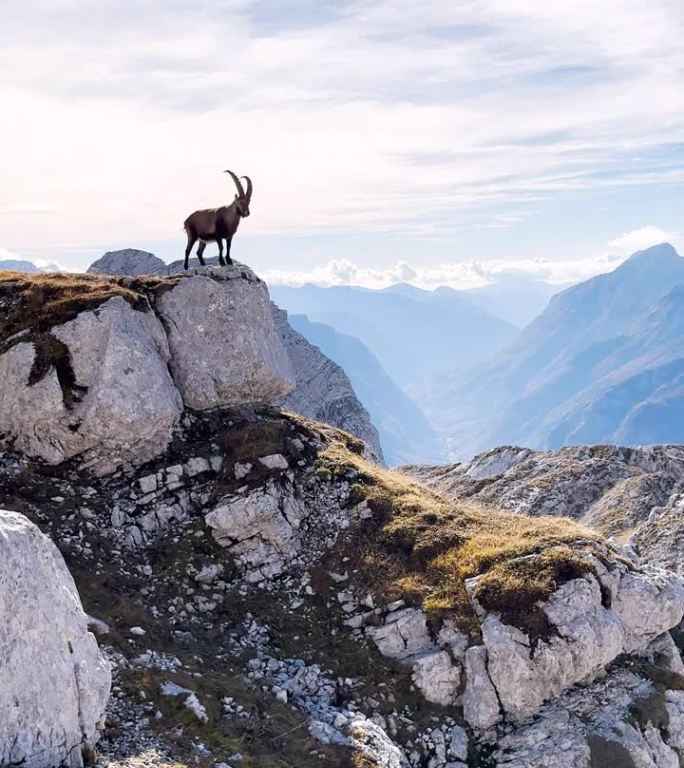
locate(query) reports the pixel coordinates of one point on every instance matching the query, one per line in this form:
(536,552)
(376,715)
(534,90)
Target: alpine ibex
(218,224)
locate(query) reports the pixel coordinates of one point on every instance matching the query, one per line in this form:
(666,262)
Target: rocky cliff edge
(100,370)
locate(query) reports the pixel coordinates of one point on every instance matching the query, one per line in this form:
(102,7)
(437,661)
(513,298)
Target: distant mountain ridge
(18,265)
(416,335)
(405,434)
(601,356)
(323,390)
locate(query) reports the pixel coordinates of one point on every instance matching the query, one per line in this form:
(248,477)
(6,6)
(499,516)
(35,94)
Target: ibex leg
(191,241)
(200,251)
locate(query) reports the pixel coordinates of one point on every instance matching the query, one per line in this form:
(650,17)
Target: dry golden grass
(37,302)
(426,547)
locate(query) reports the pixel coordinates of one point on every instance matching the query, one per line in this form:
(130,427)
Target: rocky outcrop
(608,487)
(121,404)
(323,390)
(512,674)
(129,261)
(612,721)
(55,681)
(660,540)
(224,347)
(241,603)
(108,387)
(260,528)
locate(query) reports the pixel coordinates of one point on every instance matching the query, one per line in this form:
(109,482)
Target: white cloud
(630,242)
(476,273)
(390,116)
(6,255)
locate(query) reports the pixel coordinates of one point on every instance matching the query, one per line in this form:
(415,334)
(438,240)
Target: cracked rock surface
(54,680)
(207,339)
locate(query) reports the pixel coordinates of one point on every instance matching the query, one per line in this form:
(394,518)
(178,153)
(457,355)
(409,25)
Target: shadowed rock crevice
(53,353)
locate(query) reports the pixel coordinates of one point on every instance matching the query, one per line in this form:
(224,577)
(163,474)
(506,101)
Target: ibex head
(242,198)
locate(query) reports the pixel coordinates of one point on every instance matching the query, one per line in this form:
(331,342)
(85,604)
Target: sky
(433,142)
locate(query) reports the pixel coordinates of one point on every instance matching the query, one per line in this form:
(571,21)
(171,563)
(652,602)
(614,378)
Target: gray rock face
(660,540)
(126,404)
(116,392)
(589,636)
(511,676)
(129,261)
(369,739)
(594,726)
(55,681)
(437,677)
(224,347)
(260,528)
(404,635)
(322,389)
(480,703)
(608,487)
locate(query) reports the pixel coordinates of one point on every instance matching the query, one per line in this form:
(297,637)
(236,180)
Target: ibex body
(215,225)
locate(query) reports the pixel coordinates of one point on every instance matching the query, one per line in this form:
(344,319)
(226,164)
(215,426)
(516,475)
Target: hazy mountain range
(603,363)
(416,335)
(405,433)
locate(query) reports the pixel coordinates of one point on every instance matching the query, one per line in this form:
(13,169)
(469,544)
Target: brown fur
(218,224)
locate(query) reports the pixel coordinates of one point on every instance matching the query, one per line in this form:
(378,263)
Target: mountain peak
(663,253)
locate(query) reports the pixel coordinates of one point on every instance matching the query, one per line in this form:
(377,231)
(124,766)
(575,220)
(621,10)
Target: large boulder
(585,635)
(224,347)
(128,261)
(106,382)
(103,394)
(54,680)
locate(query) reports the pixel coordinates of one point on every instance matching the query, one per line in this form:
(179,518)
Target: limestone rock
(125,405)
(260,528)
(554,742)
(403,635)
(588,637)
(55,681)
(480,702)
(372,741)
(128,261)
(495,462)
(648,605)
(674,704)
(224,347)
(437,677)
(609,487)
(660,541)
(323,390)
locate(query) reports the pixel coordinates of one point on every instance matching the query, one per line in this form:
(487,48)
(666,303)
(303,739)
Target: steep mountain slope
(323,390)
(405,433)
(610,488)
(415,337)
(585,365)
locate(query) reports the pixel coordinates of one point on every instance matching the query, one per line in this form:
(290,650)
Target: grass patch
(426,546)
(32,304)
(36,303)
